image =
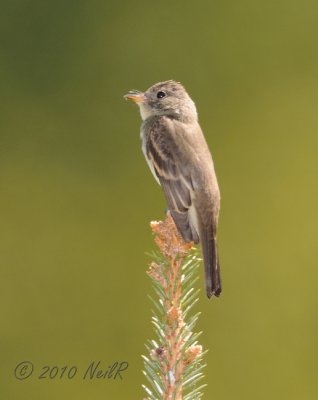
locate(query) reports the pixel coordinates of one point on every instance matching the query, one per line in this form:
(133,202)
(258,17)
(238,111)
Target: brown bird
(180,160)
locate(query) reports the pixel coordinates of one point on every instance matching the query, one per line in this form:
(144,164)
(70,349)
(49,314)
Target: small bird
(180,160)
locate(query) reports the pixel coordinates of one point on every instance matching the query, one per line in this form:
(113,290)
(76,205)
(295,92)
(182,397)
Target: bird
(180,160)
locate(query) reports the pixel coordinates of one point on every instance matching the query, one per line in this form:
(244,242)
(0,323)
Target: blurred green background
(76,195)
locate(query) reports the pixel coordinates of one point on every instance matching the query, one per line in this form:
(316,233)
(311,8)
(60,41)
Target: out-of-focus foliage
(76,196)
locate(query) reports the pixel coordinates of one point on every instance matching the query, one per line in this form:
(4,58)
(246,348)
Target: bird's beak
(135,96)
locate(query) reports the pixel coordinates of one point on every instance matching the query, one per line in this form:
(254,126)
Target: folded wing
(164,154)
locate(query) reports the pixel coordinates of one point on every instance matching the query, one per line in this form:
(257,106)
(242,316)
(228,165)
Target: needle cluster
(173,366)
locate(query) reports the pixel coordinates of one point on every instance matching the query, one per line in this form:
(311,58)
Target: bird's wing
(173,173)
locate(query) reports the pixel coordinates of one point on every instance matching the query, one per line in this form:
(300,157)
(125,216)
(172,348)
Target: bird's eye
(161,94)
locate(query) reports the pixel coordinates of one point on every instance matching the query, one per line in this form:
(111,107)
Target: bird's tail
(211,264)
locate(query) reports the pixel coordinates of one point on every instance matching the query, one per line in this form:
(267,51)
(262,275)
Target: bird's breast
(144,138)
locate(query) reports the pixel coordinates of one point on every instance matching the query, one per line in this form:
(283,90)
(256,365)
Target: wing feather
(163,153)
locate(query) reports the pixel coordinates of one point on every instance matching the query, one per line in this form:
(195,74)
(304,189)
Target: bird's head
(164,98)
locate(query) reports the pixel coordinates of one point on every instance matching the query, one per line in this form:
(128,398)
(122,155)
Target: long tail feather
(211,263)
